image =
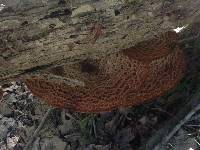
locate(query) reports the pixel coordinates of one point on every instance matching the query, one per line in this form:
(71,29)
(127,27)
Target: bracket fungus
(127,78)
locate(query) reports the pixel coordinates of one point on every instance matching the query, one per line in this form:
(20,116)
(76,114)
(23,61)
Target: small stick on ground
(162,136)
(69,115)
(94,128)
(38,129)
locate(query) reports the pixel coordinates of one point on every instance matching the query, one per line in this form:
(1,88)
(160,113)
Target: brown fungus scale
(127,78)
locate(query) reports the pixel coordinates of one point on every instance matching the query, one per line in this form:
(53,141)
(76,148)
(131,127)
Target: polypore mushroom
(127,78)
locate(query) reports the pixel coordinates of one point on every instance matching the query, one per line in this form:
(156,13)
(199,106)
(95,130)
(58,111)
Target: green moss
(86,129)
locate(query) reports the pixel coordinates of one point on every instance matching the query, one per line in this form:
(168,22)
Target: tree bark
(36,36)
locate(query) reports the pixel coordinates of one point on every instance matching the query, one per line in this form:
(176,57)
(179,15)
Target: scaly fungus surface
(127,78)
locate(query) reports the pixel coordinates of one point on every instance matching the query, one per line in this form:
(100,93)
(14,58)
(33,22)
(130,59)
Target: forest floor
(25,120)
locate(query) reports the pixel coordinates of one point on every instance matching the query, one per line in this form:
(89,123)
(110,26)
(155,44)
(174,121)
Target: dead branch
(162,136)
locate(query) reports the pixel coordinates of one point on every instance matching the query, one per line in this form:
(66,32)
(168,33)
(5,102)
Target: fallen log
(42,34)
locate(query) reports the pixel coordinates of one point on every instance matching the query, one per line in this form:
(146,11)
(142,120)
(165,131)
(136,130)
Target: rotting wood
(41,36)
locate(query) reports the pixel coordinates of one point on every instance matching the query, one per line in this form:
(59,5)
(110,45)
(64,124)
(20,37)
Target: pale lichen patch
(83,10)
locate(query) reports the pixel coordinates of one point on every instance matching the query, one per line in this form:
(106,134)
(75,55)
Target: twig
(94,127)
(163,111)
(38,129)
(178,126)
(161,137)
(69,115)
